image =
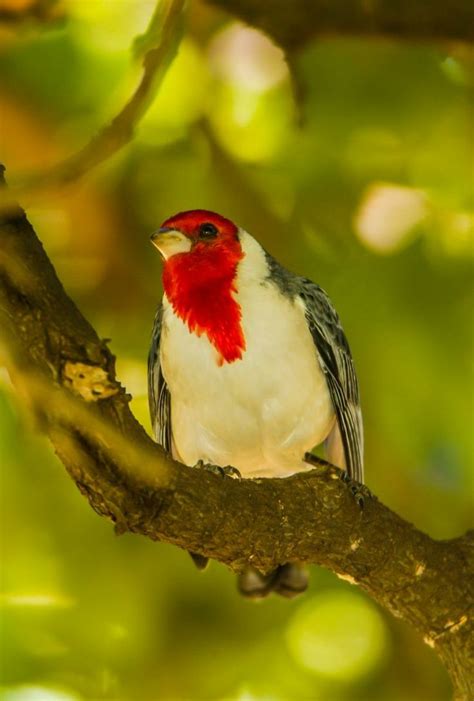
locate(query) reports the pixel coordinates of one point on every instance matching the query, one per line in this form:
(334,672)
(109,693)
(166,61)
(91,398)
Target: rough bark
(66,373)
(292,24)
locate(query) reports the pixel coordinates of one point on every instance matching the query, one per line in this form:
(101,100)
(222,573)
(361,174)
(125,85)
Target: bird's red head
(202,226)
(201,250)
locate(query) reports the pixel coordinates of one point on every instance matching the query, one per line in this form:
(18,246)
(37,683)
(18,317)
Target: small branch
(293,24)
(66,373)
(158,46)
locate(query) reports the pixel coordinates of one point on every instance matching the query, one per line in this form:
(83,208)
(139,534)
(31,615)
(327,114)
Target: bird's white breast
(261,413)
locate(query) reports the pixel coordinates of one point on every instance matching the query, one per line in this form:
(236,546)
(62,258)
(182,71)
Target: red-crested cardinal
(248,367)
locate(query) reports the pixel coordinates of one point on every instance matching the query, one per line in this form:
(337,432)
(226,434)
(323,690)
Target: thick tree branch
(310,517)
(292,24)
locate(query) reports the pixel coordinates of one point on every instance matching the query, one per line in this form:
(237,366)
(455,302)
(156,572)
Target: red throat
(200,286)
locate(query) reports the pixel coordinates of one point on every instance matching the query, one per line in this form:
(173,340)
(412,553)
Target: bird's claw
(232,472)
(288,580)
(227,471)
(359,491)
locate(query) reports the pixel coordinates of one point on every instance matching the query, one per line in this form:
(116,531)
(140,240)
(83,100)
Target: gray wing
(336,362)
(159,398)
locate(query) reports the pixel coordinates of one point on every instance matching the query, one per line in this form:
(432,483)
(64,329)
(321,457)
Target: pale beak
(170,241)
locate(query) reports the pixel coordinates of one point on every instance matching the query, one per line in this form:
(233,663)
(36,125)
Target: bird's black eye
(207,231)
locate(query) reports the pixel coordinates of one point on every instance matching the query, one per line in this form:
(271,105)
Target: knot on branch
(90,382)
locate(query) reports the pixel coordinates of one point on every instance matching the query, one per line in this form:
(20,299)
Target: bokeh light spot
(454,70)
(36,600)
(252,106)
(338,635)
(37,693)
(247,58)
(388,216)
(456,232)
(111,26)
(250,126)
(246,695)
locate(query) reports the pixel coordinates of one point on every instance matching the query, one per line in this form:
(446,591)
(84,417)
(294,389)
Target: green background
(365,186)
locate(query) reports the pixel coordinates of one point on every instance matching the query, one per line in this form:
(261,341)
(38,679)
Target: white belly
(259,414)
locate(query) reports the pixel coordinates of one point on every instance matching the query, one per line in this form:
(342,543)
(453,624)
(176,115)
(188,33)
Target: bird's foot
(291,580)
(254,585)
(288,580)
(359,491)
(226,471)
(232,472)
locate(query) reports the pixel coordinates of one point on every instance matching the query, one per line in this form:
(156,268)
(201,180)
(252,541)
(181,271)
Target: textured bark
(66,373)
(292,24)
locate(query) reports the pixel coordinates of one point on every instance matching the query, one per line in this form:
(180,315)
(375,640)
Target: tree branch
(39,11)
(293,24)
(310,517)
(158,46)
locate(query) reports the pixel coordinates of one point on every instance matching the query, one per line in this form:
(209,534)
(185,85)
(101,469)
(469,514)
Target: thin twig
(158,46)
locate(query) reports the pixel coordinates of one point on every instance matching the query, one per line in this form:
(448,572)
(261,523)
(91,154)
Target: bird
(248,367)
